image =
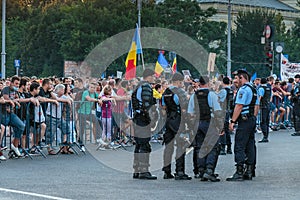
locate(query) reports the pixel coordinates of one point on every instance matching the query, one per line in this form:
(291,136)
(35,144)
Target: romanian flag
(161,64)
(136,48)
(174,66)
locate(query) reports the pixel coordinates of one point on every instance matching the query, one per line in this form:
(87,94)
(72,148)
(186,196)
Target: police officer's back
(174,101)
(142,101)
(296,104)
(264,94)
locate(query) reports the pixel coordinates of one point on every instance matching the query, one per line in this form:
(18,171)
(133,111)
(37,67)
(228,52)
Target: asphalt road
(103,175)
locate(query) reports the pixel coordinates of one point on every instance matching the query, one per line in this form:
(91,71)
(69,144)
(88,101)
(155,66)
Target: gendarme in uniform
(205,102)
(296,104)
(174,101)
(142,101)
(264,93)
(244,115)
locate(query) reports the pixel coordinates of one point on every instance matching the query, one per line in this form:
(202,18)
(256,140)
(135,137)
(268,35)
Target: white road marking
(32,194)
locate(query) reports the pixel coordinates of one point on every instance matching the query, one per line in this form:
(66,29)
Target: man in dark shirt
(8,117)
(47,96)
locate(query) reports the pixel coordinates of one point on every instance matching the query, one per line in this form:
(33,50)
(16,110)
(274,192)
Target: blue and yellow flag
(161,64)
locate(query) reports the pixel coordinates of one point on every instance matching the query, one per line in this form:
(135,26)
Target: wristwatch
(231,121)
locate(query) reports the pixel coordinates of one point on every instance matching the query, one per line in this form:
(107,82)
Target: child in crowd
(106,107)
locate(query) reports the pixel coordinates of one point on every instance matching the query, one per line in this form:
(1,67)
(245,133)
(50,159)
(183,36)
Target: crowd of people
(201,113)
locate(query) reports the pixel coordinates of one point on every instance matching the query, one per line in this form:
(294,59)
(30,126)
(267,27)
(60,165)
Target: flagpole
(3,54)
(139,7)
(142,54)
(229,40)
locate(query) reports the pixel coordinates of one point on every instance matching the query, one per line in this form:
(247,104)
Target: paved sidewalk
(86,177)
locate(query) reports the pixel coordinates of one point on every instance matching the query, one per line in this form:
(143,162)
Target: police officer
(226,96)
(264,95)
(296,104)
(245,111)
(205,103)
(174,101)
(142,101)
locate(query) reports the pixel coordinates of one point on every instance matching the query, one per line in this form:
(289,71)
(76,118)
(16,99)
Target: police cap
(148,72)
(297,76)
(204,80)
(177,77)
(243,71)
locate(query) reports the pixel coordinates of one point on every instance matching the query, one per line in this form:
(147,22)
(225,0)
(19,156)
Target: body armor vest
(265,100)
(204,109)
(169,99)
(295,97)
(147,98)
(229,99)
(251,106)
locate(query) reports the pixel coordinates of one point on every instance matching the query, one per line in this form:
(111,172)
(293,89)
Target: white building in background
(288,8)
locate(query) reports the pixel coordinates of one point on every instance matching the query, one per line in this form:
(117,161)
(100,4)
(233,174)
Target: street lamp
(229,40)
(3,54)
(139,8)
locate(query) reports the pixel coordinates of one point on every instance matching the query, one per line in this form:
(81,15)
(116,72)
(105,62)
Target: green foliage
(45,33)
(247,51)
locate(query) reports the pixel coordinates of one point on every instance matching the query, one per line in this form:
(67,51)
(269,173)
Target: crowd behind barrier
(62,115)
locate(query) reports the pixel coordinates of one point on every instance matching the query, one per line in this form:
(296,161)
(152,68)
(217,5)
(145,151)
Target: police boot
(238,175)
(200,174)
(167,172)
(136,175)
(182,176)
(248,172)
(296,134)
(222,150)
(145,174)
(253,171)
(168,175)
(264,140)
(229,151)
(209,175)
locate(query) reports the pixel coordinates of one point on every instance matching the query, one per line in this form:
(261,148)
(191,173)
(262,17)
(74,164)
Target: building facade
(287,8)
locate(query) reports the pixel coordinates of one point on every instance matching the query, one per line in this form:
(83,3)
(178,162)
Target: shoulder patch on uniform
(241,95)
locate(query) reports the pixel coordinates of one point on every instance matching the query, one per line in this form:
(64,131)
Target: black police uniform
(207,127)
(227,105)
(175,125)
(142,129)
(265,112)
(296,109)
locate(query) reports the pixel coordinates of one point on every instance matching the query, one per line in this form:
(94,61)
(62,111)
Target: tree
(247,52)
(172,15)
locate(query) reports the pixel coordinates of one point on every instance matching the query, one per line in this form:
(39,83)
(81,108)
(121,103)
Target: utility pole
(139,8)
(3,54)
(229,40)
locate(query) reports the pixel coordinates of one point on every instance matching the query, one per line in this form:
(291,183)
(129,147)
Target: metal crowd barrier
(80,122)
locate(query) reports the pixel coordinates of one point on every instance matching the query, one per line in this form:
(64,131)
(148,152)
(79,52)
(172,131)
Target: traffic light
(269,54)
(269,60)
